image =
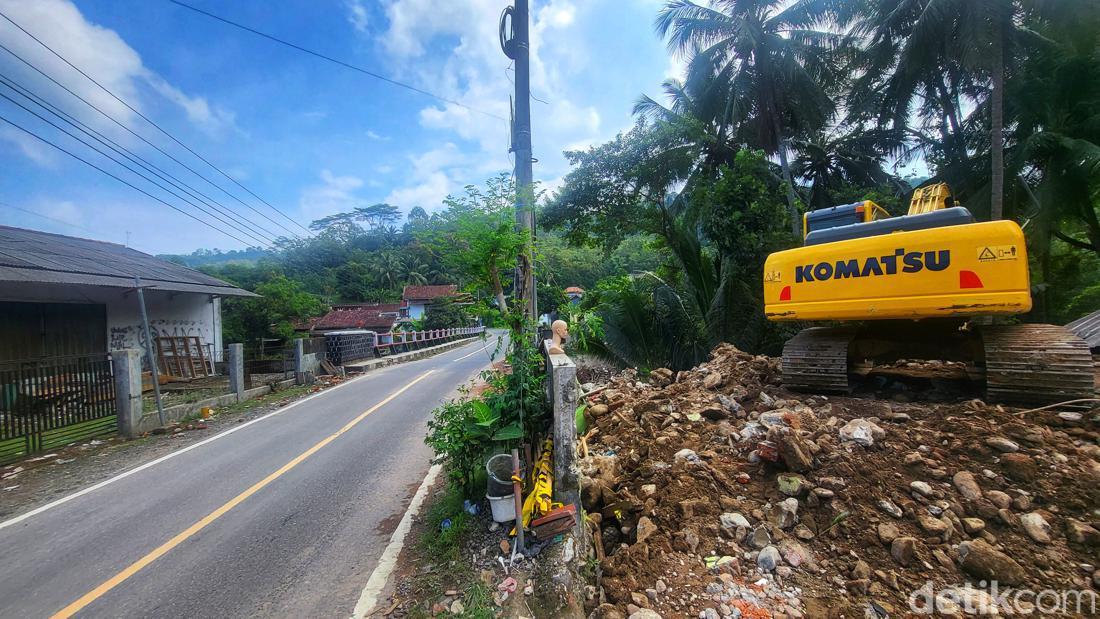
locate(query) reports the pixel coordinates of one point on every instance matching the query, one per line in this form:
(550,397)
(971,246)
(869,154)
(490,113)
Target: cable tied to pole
(508,32)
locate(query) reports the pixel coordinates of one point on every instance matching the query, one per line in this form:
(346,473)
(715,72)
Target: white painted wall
(416,310)
(179,313)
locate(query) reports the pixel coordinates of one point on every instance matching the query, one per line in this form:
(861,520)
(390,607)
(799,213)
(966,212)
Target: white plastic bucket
(504,507)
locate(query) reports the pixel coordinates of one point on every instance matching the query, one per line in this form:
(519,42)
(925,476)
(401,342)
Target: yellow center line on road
(164,548)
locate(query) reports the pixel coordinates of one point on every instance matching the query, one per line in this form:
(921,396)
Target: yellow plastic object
(930,198)
(968,270)
(539,500)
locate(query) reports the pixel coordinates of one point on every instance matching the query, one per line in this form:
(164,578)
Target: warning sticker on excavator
(992,253)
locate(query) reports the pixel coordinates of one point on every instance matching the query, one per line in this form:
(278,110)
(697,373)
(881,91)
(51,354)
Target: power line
(53,219)
(236,228)
(134,133)
(119,179)
(134,157)
(346,65)
(158,127)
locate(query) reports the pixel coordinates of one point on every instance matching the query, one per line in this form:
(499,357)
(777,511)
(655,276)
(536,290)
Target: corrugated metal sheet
(1087,328)
(32,256)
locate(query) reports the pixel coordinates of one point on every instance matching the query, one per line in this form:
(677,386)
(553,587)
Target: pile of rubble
(716,493)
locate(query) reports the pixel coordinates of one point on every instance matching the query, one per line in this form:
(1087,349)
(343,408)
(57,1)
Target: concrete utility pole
(515,41)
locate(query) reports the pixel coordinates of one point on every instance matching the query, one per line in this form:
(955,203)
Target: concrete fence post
(236,370)
(561,383)
(300,377)
(126,367)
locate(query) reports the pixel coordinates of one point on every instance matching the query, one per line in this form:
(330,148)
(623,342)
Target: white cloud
(374,135)
(428,193)
(103,55)
(64,210)
(335,194)
(357,15)
(473,71)
(33,149)
(211,119)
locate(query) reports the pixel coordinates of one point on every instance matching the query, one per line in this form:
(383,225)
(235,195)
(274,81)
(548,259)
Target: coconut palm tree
(828,161)
(773,61)
(941,53)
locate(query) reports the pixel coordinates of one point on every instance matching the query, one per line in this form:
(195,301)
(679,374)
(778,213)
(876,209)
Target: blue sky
(309,137)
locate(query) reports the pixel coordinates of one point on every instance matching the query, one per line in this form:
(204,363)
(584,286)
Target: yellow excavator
(925,285)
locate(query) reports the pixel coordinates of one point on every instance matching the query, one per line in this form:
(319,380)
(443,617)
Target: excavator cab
(915,280)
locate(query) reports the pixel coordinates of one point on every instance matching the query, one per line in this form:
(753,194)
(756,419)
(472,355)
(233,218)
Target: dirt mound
(719,493)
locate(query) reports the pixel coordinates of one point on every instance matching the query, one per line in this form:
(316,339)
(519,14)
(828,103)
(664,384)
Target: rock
(713,380)
(640,600)
(714,413)
(861,432)
(644,613)
(607,611)
(957,601)
(903,550)
(760,538)
(981,560)
(967,486)
(861,570)
(889,507)
(823,493)
(660,377)
(660,587)
(1020,467)
(733,520)
(887,532)
(1002,444)
(921,487)
(791,485)
(936,526)
(645,528)
(1078,532)
(457,608)
(686,455)
(803,532)
(686,540)
(998,498)
(598,410)
(794,451)
(784,514)
(649,489)
(768,558)
(942,558)
(973,526)
(1036,527)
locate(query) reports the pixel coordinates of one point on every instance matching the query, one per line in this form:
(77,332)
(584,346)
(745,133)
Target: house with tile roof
(416,299)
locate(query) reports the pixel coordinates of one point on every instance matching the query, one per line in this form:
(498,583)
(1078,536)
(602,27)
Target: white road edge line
(151,463)
(472,354)
(388,561)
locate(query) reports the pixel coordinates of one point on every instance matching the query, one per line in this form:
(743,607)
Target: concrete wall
(170,313)
(416,310)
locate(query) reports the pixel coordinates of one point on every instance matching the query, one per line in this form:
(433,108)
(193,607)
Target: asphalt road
(302,541)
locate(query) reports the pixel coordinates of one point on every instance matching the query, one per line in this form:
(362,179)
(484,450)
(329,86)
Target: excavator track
(1036,365)
(816,360)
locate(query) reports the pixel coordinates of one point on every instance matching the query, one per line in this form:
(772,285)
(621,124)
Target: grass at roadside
(290,393)
(441,564)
